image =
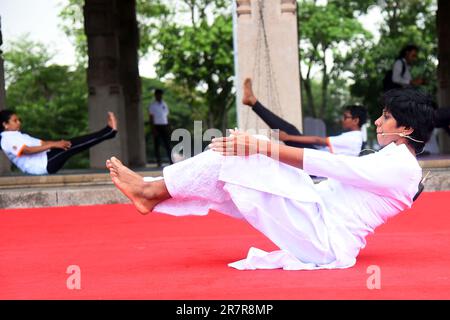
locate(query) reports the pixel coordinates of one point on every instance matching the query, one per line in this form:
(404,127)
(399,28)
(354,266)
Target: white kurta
(348,143)
(13,143)
(315,226)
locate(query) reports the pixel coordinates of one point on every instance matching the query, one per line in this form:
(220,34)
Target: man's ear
(408,131)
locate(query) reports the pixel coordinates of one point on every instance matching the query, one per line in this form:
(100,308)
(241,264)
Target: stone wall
(266,46)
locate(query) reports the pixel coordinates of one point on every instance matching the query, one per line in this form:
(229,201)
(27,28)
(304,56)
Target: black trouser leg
(275,122)
(167,142)
(162,135)
(156,139)
(58,157)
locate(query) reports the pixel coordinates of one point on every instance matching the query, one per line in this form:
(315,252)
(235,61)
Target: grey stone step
(91,188)
(75,179)
(59,197)
(68,189)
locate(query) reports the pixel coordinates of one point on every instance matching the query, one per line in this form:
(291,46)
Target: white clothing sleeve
(374,173)
(346,143)
(397,73)
(150,109)
(13,144)
(32,141)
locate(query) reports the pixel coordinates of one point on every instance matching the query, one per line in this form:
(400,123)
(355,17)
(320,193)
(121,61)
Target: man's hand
(283,136)
(237,144)
(417,82)
(61,144)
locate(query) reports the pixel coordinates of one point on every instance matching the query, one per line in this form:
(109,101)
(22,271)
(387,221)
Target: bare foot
(248,97)
(141,194)
(112,120)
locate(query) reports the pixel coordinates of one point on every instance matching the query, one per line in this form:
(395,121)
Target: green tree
(405,22)
(195,57)
(150,16)
(324,31)
(199,58)
(50,99)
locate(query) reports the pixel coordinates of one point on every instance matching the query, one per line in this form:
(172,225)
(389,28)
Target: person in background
(349,143)
(159,124)
(400,75)
(38,157)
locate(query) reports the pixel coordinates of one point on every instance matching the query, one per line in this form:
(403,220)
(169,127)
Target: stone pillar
(113,80)
(131,82)
(267,51)
(443,31)
(5,165)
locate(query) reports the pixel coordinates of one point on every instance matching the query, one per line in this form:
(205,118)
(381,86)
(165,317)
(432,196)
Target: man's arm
(46,145)
(366,172)
(289,155)
(303,139)
(242,144)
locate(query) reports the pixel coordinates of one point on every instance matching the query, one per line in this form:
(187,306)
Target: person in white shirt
(349,143)
(400,76)
(38,157)
(159,122)
(267,184)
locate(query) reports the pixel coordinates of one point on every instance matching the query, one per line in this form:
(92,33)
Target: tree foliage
(150,16)
(195,53)
(405,22)
(324,31)
(199,58)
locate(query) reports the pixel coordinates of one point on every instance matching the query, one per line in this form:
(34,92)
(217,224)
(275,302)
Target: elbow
(321,141)
(23,150)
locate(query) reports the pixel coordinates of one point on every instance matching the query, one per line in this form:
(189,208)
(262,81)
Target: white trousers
(297,227)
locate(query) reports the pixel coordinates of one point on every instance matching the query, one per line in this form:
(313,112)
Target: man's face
(411,56)
(158,96)
(347,121)
(13,123)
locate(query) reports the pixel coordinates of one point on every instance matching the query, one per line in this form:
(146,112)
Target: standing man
(159,124)
(400,75)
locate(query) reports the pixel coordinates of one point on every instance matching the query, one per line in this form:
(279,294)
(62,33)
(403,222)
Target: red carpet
(123,255)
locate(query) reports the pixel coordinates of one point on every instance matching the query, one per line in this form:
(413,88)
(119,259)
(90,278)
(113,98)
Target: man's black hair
(359,112)
(413,109)
(159,91)
(5,115)
(407,48)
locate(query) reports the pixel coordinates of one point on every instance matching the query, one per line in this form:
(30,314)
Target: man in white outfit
(315,226)
(159,122)
(349,143)
(400,75)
